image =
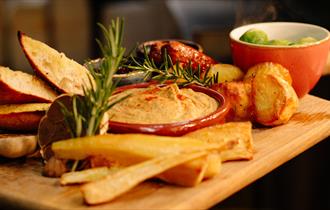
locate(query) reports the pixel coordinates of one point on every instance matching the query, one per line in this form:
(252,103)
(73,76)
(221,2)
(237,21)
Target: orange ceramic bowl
(305,62)
(178,128)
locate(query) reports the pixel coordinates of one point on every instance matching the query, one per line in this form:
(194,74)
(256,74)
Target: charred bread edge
(34,66)
(27,98)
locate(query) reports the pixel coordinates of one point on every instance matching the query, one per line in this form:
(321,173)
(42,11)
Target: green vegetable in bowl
(254,36)
(306,40)
(280,42)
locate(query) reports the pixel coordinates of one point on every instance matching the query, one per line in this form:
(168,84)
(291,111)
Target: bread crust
(25,121)
(64,74)
(22,117)
(17,87)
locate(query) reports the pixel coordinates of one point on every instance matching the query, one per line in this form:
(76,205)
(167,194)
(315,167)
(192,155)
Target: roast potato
(264,96)
(18,87)
(226,73)
(274,99)
(239,96)
(268,68)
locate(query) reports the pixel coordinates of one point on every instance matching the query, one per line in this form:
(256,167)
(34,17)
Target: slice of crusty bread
(63,73)
(19,87)
(17,145)
(22,117)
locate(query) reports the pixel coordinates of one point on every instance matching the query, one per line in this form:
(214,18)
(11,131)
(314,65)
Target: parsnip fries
(180,160)
(88,175)
(122,181)
(237,136)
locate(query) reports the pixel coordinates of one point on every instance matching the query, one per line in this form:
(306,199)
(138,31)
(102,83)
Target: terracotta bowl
(305,62)
(178,128)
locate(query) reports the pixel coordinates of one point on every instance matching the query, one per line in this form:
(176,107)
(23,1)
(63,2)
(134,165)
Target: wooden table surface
(23,186)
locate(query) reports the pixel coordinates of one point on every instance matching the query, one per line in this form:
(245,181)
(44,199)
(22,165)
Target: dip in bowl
(305,61)
(165,109)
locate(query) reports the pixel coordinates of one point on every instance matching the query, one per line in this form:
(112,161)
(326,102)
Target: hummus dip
(159,105)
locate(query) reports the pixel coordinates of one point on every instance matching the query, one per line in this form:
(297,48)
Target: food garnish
(168,70)
(88,110)
(85,115)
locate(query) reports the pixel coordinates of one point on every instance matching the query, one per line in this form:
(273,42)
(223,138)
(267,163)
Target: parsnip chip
(129,149)
(236,135)
(88,175)
(122,181)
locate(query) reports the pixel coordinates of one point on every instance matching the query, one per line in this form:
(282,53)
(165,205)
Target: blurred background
(70,27)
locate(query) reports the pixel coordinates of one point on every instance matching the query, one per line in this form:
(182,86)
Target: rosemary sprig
(183,75)
(89,109)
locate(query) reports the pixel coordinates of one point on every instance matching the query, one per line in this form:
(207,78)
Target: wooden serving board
(21,182)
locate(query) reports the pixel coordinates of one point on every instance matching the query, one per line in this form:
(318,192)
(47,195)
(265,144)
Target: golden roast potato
(264,96)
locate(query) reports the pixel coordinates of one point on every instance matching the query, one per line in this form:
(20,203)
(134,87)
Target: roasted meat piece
(180,53)
(184,54)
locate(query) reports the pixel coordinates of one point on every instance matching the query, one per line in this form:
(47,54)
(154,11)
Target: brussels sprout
(280,42)
(254,36)
(306,40)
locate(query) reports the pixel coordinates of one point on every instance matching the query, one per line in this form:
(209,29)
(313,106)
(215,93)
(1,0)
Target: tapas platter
(191,134)
(22,185)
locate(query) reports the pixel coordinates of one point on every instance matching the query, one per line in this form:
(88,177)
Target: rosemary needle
(183,75)
(89,109)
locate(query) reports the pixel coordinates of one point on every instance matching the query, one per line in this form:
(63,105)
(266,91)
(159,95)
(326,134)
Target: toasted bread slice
(22,117)
(65,74)
(17,87)
(17,145)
